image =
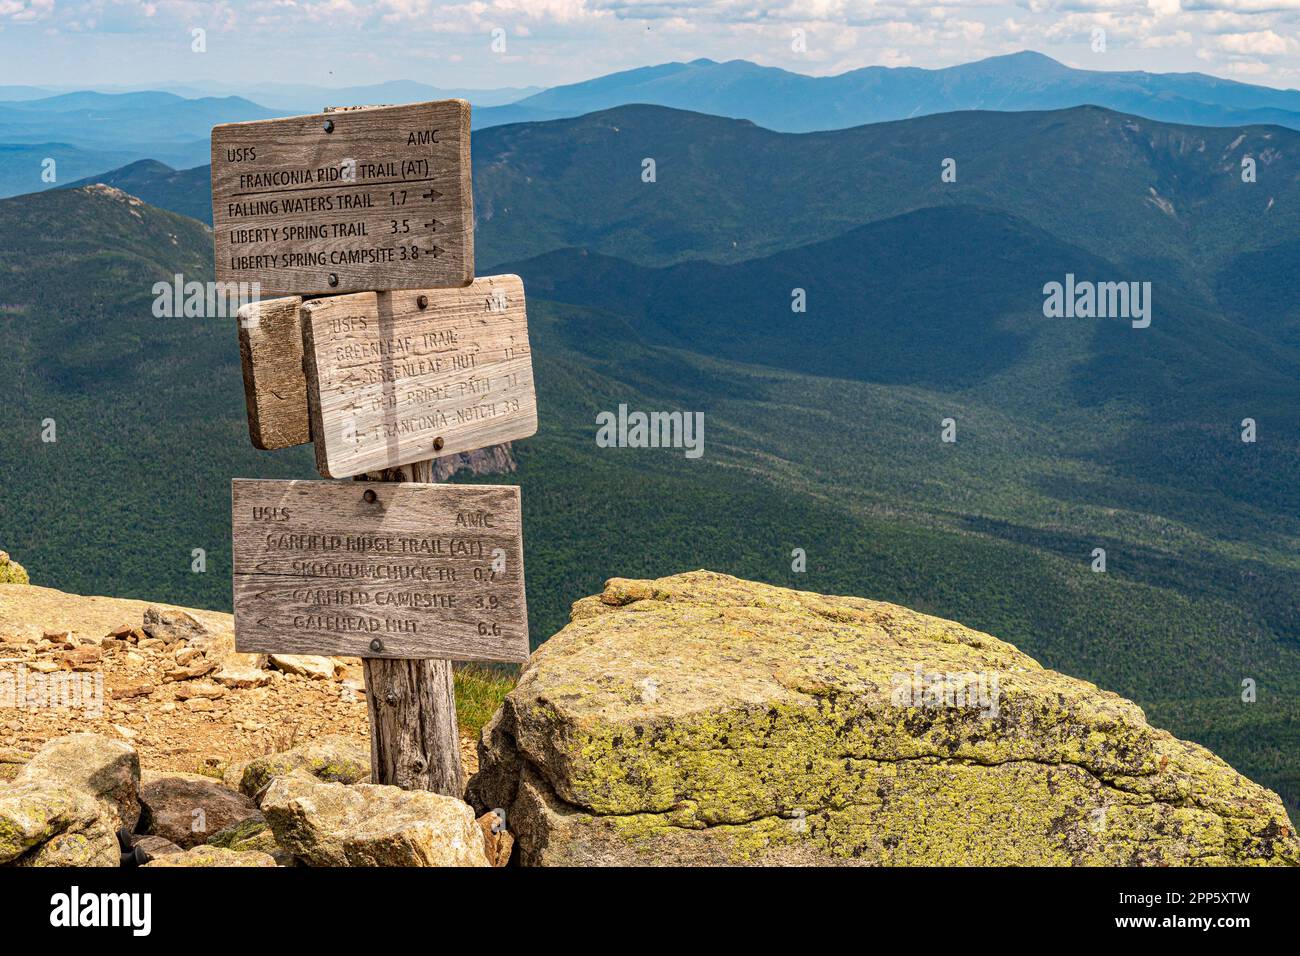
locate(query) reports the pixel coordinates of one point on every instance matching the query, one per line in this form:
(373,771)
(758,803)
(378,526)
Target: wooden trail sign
(270,348)
(275,390)
(399,377)
(403,573)
(354,200)
(379,569)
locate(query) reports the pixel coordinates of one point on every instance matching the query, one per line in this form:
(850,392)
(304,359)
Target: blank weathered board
(428,571)
(355,199)
(275,390)
(390,383)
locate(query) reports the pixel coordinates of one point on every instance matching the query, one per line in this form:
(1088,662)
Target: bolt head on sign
(368,199)
(379,569)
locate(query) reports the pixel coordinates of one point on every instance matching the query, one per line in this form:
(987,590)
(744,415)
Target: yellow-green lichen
(11,572)
(702,714)
(332,758)
(240,832)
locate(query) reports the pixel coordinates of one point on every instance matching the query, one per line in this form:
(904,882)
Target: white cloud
(1259,43)
(1165,41)
(25,11)
(1241,6)
(1248,68)
(564,40)
(891,57)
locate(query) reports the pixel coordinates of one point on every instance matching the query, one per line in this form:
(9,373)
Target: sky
(480,44)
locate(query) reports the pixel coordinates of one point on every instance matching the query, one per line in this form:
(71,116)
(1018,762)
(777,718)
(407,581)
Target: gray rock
(189,811)
(170,625)
(332,824)
(156,846)
(101,767)
(212,856)
(332,757)
(305,665)
(51,824)
(234,673)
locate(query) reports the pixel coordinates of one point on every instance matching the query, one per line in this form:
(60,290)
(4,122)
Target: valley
(924,302)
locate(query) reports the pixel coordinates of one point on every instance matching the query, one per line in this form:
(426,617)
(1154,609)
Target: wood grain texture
(389,382)
(414,737)
(414,734)
(429,571)
(275,388)
(423,471)
(384,201)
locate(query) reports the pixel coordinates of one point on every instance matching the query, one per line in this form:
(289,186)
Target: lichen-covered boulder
(333,758)
(253,835)
(11,572)
(232,836)
(51,824)
(700,719)
(12,762)
(212,856)
(101,767)
(333,824)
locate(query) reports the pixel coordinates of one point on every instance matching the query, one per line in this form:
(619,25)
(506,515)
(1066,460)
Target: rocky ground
(173,687)
(135,733)
(691,720)
(82,800)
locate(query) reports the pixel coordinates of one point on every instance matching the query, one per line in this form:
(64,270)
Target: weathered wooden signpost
(420,361)
(348,201)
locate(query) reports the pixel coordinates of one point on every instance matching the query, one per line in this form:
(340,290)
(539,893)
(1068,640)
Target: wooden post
(414,736)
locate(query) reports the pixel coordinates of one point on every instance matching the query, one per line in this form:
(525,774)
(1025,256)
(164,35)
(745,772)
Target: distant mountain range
(1168,198)
(105,130)
(791,102)
(92,132)
(23,165)
(310,98)
(303,98)
(16,93)
(184,191)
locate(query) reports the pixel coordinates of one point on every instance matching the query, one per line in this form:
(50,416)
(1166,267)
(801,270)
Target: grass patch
(479,692)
